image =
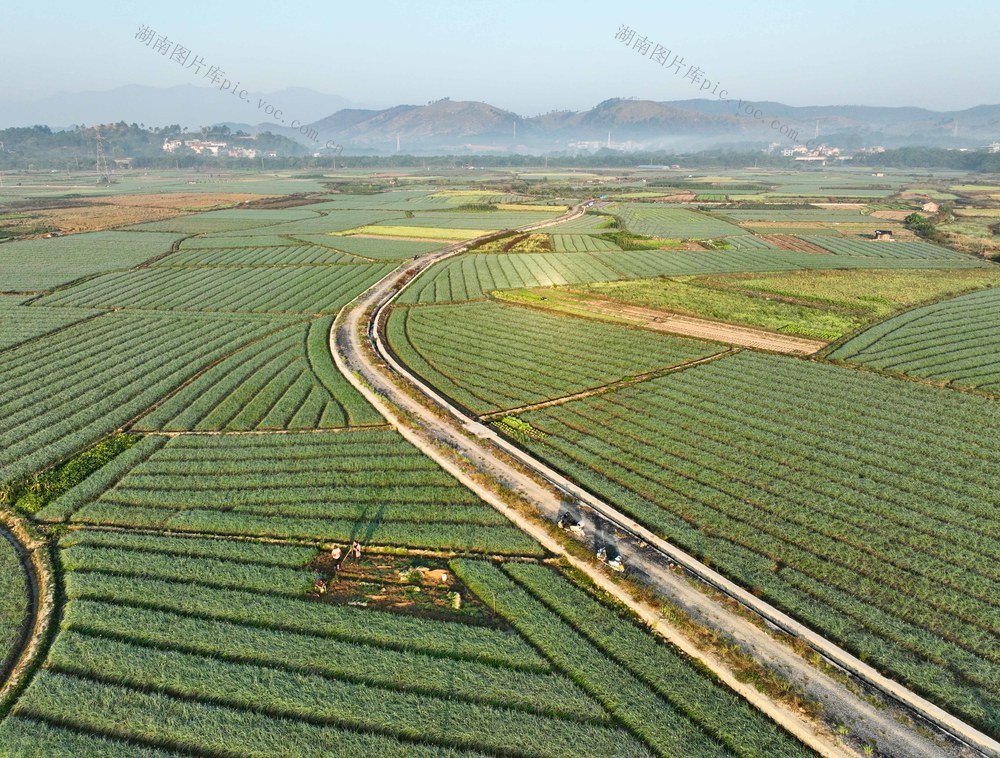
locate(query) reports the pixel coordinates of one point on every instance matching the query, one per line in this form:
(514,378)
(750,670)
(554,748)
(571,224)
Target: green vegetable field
(954,341)
(489,356)
(871,518)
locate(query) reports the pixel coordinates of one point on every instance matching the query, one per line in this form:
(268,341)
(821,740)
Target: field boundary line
(42,608)
(611,387)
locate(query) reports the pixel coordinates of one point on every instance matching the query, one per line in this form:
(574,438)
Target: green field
(19,322)
(13,602)
(869,249)
(285,381)
(306,486)
(83,390)
(205,644)
(489,356)
(869,518)
(284,255)
(819,304)
(589,223)
(264,289)
(955,341)
(654,691)
(225,220)
(472,276)
(202,644)
(832,215)
(41,264)
(580,243)
(671,222)
(374,249)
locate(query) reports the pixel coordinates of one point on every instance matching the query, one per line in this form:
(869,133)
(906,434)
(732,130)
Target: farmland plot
(334,221)
(581,243)
(20,322)
(287,289)
(36,265)
(858,248)
(657,694)
(672,223)
(589,223)
(471,276)
(208,644)
(13,602)
(247,240)
(489,356)
(366,484)
(285,381)
(99,374)
(374,249)
(284,255)
(226,220)
(955,341)
(870,519)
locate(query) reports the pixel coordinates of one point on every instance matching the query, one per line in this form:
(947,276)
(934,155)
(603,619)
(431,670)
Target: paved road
(362,356)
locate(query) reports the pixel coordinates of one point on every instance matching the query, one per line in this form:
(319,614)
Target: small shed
(884,234)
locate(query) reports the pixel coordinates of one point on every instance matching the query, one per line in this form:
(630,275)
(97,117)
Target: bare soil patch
(415,585)
(706,329)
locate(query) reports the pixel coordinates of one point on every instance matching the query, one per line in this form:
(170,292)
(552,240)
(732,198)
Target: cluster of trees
(40,147)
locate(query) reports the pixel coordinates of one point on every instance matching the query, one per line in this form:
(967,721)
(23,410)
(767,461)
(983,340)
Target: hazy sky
(525,55)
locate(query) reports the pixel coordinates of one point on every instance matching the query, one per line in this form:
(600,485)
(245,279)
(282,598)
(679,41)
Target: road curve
(357,332)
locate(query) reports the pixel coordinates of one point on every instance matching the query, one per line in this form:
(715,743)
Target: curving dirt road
(488,464)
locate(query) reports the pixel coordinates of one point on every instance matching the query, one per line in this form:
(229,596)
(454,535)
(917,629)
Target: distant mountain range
(448,126)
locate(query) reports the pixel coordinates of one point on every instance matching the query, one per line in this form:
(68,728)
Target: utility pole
(103,176)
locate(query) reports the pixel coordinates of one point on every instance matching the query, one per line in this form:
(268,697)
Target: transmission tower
(103,175)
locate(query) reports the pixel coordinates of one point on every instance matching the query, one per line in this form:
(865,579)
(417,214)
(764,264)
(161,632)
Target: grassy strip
(31,494)
(544,693)
(101,477)
(654,720)
(321,700)
(339,622)
(689,688)
(167,722)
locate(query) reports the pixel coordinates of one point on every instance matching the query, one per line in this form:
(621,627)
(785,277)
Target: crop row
(19,323)
(738,463)
(580,243)
(490,356)
(282,609)
(286,255)
(287,381)
(868,249)
(99,374)
(654,720)
(293,289)
(470,277)
(317,486)
(374,249)
(41,264)
(720,712)
(227,220)
(672,223)
(955,340)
